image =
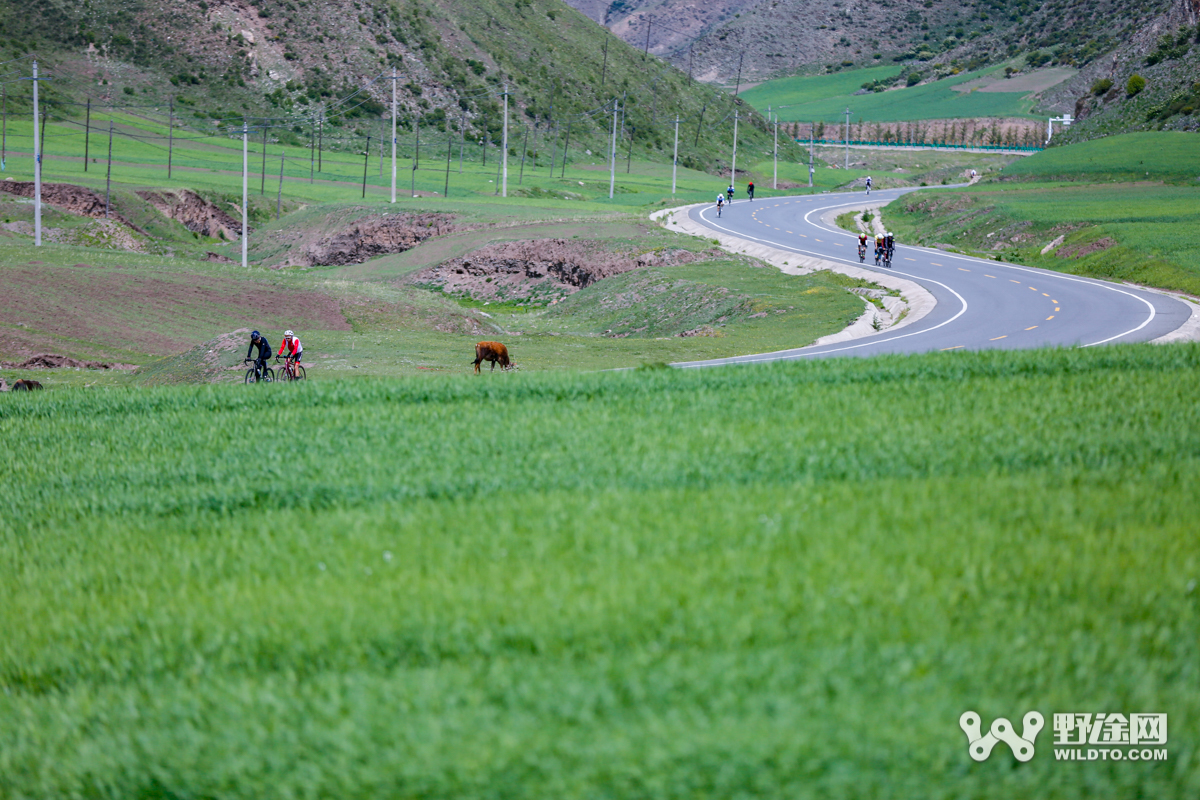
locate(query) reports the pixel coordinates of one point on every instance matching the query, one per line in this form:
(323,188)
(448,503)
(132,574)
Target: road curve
(980,303)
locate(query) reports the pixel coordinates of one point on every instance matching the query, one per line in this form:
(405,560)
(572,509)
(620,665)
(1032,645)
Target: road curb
(919,300)
(1189,331)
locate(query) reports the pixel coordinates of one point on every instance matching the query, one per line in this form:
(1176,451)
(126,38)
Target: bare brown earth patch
(1081,250)
(371,237)
(52,361)
(539,269)
(194,213)
(69,197)
(113,309)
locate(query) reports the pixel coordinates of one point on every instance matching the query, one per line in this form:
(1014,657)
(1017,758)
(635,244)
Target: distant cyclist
(878,249)
(729,192)
(750,190)
(291,343)
(869,184)
(264,351)
(720,203)
(862,247)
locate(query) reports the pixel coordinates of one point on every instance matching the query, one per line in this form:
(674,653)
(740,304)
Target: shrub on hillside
(1101,86)
(914,78)
(1136,84)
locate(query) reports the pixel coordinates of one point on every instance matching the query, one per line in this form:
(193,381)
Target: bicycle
(887,259)
(291,371)
(862,253)
(878,255)
(253,375)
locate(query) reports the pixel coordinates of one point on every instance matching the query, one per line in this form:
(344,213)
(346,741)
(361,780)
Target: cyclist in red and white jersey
(291,343)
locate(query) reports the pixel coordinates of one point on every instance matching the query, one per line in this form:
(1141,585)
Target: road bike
(887,259)
(254,375)
(878,255)
(291,371)
(862,253)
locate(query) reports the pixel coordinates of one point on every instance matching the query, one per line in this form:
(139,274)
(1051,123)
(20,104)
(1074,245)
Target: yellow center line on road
(787,231)
(988,276)
(1049,318)
(835,244)
(1005,336)
(1010,280)
(1054,301)
(818,240)
(936,264)
(805,236)
(1031,327)
(1032,289)
(957,346)
(906,258)
(1056,308)
(1046,295)
(960,269)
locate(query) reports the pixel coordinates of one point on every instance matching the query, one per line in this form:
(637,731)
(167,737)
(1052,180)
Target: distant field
(1152,155)
(782,581)
(824,98)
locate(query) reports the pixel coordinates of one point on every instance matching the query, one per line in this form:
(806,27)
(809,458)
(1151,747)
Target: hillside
(788,36)
(325,68)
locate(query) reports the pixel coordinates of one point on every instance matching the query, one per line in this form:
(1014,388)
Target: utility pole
(812,139)
(737,86)
(566,144)
(675,157)
(262,189)
(37,168)
(504,145)
(279,196)
(366,159)
(245,191)
(449,148)
(462,139)
(170,136)
(108,176)
(733,161)
(646,50)
(553,151)
(4,124)
(629,155)
(689,63)
(393,135)
(417,151)
(382,122)
(775,129)
(87,133)
(312,150)
(612,155)
(604,69)
(320,139)
(700,124)
(524,151)
(847,165)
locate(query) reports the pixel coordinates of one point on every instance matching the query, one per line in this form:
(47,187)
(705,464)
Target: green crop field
(824,98)
(1130,211)
(775,581)
(1171,156)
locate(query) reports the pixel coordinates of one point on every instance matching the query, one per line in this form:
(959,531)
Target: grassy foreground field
(776,581)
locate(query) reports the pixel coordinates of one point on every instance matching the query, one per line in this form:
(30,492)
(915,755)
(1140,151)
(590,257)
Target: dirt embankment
(371,237)
(52,361)
(194,213)
(539,269)
(69,197)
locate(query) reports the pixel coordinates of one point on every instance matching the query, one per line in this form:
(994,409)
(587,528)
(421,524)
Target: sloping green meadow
(772,581)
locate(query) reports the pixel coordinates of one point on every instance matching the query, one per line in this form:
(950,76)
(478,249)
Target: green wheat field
(767,581)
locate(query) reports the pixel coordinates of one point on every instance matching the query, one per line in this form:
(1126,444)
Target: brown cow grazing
(24,385)
(493,352)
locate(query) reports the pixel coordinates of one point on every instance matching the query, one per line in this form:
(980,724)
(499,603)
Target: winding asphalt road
(980,303)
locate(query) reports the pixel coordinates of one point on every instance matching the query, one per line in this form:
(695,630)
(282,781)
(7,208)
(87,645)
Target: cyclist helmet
(288,333)
(255,335)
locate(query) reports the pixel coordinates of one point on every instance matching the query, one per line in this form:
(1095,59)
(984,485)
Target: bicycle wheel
(268,374)
(283,375)
(300,373)
(250,376)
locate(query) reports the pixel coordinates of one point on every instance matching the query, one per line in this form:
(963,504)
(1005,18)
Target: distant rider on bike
(878,249)
(729,192)
(889,244)
(264,351)
(869,184)
(750,190)
(720,203)
(291,343)
(862,245)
